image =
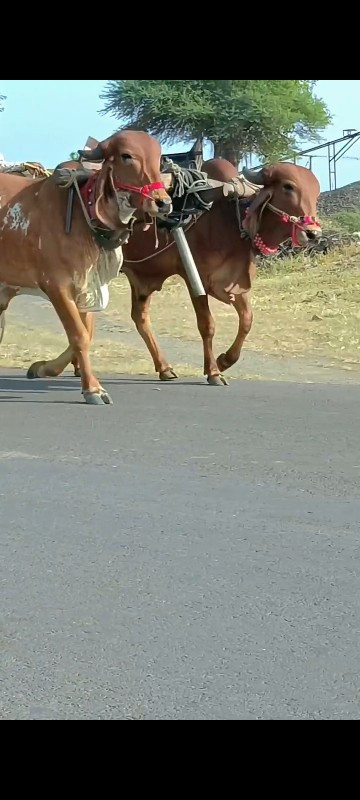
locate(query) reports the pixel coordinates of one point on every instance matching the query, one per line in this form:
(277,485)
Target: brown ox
(37,255)
(224,250)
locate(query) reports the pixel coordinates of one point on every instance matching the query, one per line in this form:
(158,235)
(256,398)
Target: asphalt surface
(189,553)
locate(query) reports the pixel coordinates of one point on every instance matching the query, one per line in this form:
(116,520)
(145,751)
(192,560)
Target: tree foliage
(238,117)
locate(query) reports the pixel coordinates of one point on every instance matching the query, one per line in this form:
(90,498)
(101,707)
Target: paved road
(189,553)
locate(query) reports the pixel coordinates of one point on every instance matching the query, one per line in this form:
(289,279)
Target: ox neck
(105,236)
(272,231)
(270,234)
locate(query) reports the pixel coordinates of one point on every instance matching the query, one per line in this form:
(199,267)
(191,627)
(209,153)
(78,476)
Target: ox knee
(206,328)
(247,320)
(139,318)
(80,342)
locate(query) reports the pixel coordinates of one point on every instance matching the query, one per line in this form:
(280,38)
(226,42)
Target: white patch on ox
(15,219)
(93,293)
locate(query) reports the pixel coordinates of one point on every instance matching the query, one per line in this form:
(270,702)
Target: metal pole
(188,263)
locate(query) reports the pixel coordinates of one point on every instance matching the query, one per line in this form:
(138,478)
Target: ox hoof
(77,373)
(168,375)
(217,380)
(222,362)
(99,398)
(36,370)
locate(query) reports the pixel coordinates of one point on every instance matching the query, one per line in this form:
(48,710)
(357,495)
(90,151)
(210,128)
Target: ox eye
(126,157)
(288,187)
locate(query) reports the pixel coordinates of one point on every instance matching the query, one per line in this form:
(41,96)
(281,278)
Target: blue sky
(45,120)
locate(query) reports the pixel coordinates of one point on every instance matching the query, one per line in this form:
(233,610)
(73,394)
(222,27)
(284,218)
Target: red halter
(298,223)
(144,191)
(88,192)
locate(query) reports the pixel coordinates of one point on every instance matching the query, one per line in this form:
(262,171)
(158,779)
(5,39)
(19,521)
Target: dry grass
(21,346)
(302,307)
(311,306)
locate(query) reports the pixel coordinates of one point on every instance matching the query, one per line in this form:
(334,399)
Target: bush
(348,220)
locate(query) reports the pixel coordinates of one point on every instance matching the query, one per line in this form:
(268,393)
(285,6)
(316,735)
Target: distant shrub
(348,220)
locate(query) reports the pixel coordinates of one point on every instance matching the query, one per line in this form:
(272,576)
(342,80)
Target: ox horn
(255,177)
(92,155)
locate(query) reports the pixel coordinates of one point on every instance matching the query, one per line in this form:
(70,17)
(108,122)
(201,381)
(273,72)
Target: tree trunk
(229,150)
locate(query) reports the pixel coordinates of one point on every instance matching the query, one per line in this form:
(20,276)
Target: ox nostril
(312,235)
(163,205)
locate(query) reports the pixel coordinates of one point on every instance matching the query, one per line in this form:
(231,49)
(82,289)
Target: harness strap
(107,242)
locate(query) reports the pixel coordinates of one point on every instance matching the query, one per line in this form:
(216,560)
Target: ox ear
(106,206)
(255,212)
(107,209)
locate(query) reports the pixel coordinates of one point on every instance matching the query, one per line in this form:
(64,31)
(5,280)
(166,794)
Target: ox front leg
(206,326)
(55,367)
(79,342)
(6,295)
(140,315)
(89,322)
(2,325)
(243,308)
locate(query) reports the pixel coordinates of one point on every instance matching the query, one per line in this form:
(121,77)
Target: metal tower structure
(349,138)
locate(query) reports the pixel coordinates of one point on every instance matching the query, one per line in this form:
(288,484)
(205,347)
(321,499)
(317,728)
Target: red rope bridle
(88,192)
(144,191)
(298,224)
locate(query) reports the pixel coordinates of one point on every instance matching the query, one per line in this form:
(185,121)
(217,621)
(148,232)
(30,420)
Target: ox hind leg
(141,317)
(2,325)
(79,343)
(245,314)
(6,295)
(89,322)
(206,326)
(53,368)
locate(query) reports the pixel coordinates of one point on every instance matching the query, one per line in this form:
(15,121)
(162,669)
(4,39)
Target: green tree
(265,117)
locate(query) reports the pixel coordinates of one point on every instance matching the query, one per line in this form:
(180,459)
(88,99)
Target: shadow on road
(13,386)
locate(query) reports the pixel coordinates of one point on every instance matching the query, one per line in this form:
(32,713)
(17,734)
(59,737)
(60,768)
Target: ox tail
(2,325)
